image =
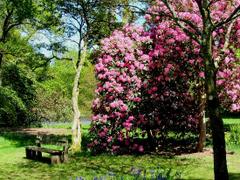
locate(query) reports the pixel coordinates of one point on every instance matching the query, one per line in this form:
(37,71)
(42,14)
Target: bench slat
(45,150)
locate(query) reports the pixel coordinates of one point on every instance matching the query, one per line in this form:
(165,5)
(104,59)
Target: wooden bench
(56,156)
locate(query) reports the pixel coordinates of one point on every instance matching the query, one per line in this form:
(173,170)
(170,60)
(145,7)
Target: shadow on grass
(127,164)
(84,164)
(234,176)
(44,160)
(18,139)
(21,139)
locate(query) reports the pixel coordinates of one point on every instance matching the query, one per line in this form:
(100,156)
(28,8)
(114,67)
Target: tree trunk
(213,107)
(202,134)
(76,127)
(202,126)
(219,150)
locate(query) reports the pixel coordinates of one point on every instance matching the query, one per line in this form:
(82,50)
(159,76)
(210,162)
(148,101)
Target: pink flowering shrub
(226,41)
(120,70)
(175,65)
(139,97)
(150,81)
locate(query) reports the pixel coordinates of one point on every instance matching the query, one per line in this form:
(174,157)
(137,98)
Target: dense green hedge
(12,109)
(232,134)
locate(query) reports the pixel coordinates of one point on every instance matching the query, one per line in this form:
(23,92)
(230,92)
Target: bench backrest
(58,142)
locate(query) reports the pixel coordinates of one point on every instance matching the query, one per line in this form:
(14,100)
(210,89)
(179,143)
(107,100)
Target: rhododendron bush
(120,70)
(150,80)
(227,41)
(138,99)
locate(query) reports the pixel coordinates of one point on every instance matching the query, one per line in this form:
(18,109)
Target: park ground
(14,165)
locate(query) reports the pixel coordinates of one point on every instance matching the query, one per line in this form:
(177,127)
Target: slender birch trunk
(76,127)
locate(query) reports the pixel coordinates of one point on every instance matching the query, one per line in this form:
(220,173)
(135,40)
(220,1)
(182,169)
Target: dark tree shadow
(234,176)
(22,139)
(18,139)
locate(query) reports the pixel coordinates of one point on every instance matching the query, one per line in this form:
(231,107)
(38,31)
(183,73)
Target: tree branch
(72,41)
(6,25)
(226,44)
(235,14)
(179,23)
(48,60)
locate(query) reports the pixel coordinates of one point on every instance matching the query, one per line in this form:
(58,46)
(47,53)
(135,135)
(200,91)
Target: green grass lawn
(13,164)
(231,121)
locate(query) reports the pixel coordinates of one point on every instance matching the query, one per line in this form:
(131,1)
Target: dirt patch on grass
(206,152)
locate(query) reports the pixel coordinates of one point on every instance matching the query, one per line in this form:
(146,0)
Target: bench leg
(64,158)
(39,155)
(55,159)
(31,154)
(28,153)
(34,154)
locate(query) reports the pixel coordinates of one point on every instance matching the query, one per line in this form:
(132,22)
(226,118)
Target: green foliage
(21,81)
(12,109)
(233,136)
(238,53)
(22,9)
(60,77)
(18,95)
(54,94)
(86,89)
(17,76)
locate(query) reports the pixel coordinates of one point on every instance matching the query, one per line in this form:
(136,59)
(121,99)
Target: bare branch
(76,19)
(73,25)
(13,25)
(72,41)
(141,11)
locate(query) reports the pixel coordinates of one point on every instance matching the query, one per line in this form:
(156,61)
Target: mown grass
(231,121)
(14,165)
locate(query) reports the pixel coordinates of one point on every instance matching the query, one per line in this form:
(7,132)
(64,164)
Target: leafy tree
(19,20)
(54,92)
(18,76)
(90,20)
(12,109)
(22,14)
